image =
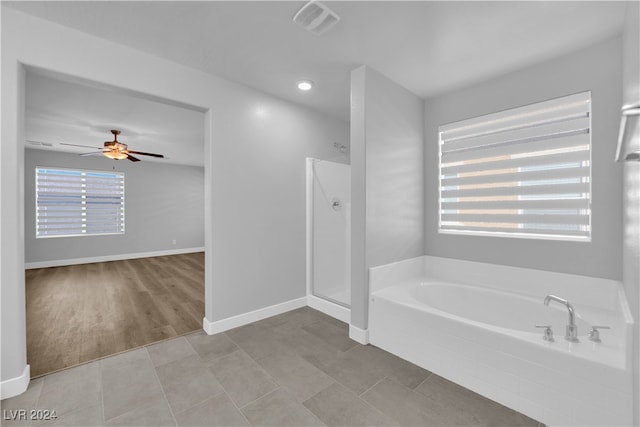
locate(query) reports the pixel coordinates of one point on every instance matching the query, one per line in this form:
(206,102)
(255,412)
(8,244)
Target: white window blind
(78,202)
(524,172)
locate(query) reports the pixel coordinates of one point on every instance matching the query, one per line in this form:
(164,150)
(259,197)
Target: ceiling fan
(115,149)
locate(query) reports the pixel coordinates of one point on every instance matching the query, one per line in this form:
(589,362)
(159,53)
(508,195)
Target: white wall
(631,195)
(163,202)
(598,69)
(254,179)
(387,180)
(259,203)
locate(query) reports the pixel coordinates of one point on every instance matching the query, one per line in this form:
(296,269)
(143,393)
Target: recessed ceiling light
(305,85)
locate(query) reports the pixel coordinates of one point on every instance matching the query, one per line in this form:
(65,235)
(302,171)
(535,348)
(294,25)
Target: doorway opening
(91,296)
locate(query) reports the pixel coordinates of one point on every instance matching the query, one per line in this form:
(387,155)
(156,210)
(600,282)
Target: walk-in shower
(328,237)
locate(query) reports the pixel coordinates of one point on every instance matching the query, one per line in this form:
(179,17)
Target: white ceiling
(429,47)
(59,111)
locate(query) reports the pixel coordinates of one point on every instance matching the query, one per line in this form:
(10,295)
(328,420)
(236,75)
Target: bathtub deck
(297,368)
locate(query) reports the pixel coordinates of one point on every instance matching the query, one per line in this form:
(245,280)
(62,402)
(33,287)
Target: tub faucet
(572,328)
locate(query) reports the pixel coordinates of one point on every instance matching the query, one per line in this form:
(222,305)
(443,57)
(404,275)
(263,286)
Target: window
(78,202)
(524,172)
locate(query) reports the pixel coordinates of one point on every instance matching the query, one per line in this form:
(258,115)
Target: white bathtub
(506,312)
(483,336)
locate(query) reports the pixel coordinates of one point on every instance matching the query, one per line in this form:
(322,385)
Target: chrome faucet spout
(572,329)
(572,316)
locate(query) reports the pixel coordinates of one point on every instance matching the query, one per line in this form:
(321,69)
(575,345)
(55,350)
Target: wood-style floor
(84,312)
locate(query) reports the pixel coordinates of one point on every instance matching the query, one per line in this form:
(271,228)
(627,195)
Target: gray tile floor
(295,369)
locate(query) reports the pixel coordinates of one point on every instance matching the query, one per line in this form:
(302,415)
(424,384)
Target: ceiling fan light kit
(116,150)
(115,155)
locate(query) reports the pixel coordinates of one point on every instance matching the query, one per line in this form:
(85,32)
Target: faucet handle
(548,333)
(594,335)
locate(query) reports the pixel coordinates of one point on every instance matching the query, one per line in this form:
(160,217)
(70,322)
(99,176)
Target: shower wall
(387,182)
(631,193)
(331,232)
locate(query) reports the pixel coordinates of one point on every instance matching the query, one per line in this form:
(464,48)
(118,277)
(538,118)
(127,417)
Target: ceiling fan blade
(85,146)
(146,154)
(133,159)
(95,153)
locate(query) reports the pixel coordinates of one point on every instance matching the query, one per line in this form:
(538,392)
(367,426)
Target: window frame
(121,225)
(513,234)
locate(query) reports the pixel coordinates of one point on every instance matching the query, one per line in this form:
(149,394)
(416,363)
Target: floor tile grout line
(314,415)
(310,411)
(237,408)
(253,359)
(273,391)
(155,373)
(258,398)
(358,396)
(207,362)
(378,410)
(237,345)
(242,348)
(397,383)
(224,390)
(377,382)
(270,376)
(314,395)
(37,401)
(104,421)
(367,403)
(162,342)
(209,397)
(422,382)
(204,363)
(344,385)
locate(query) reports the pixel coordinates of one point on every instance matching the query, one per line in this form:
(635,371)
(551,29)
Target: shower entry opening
(329,236)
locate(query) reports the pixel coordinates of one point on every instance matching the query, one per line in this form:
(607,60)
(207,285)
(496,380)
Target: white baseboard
(17,385)
(359,335)
(330,309)
(218,326)
(117,257)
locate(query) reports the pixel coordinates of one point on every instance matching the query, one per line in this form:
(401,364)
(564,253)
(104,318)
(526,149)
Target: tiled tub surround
(474,324)
(296,369)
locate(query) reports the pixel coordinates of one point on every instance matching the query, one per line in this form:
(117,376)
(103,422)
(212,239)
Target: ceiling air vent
(316,18)
(46,144)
